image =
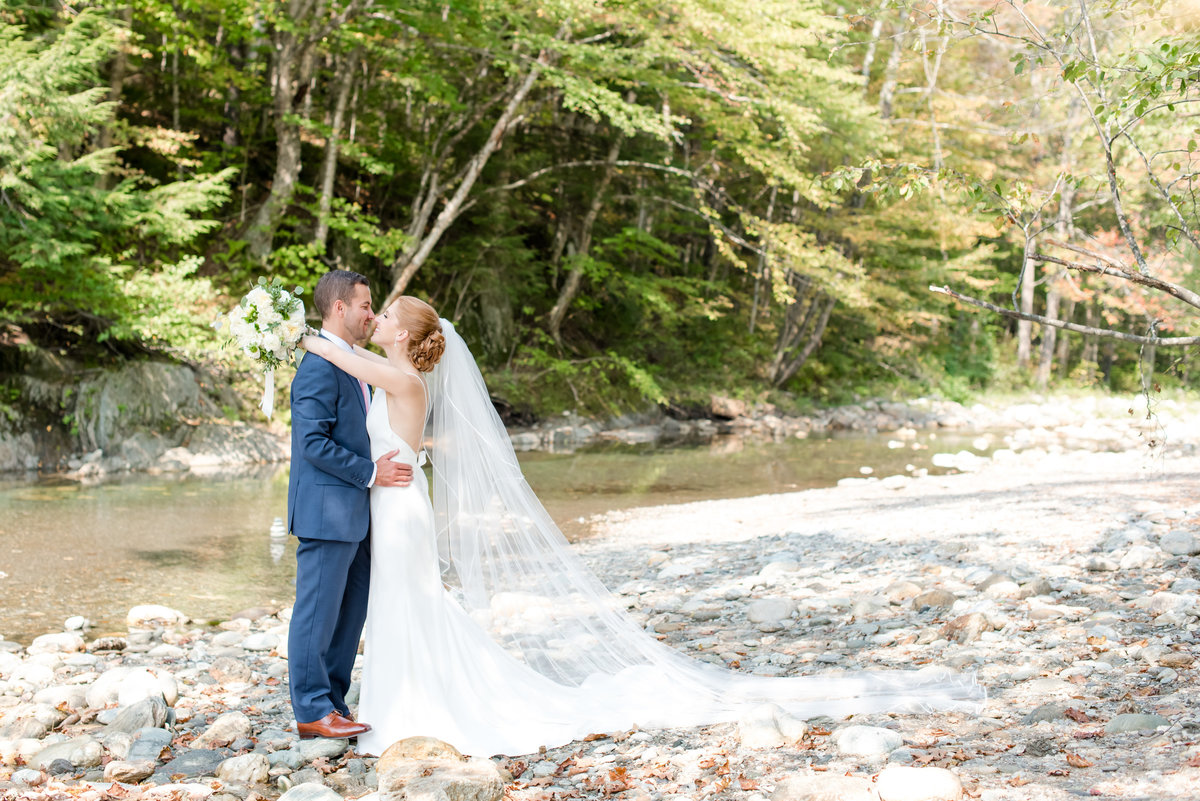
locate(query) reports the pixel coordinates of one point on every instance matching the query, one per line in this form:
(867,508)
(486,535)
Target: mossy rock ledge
(146,414)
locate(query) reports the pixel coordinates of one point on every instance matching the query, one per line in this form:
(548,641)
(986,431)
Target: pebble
(63,642)
(78,752)
(288,758)
(244,769)
(310,791)
(1045,712)
(937,598)
(264,641)
(898,783)
(966,628)
(195,762)
(867,741)
(1180,543)
(769,726)
(154,615)
(150,712)
(1139,557)
(320,747)
(1135,722)
(28,777)
(770,610)
(148,745)
(128,772)
(824,787)
(224,730)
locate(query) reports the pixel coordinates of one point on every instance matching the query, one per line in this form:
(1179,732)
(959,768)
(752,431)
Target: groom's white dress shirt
(362,385)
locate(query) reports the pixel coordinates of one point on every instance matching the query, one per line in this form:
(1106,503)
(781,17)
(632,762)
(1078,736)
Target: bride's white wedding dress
(486,631)
(429,669)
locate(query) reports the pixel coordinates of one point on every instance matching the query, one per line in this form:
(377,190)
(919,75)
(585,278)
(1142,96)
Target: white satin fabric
(485,630)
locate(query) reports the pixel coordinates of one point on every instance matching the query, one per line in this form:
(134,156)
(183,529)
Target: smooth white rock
(154,615)
(901,783)
(770,726)
(60,643)
(1180,543)
(244,769)
(770,610)
(867,741)
(137,685)
(260,642)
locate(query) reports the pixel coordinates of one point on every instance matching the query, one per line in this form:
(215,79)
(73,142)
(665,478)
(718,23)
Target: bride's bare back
(407,407)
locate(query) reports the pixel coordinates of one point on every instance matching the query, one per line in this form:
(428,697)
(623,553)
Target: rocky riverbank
(1067,581)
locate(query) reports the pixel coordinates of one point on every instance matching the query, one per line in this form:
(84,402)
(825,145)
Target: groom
(329,512)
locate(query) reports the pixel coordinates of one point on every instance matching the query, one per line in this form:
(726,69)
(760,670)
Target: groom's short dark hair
(336,285)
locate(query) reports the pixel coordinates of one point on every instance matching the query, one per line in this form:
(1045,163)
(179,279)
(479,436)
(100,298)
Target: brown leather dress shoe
(333,726)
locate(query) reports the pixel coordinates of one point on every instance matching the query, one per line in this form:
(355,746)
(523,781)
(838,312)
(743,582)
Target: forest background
(620,203)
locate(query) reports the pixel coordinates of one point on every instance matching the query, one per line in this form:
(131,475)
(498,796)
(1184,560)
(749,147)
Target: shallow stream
(202,544)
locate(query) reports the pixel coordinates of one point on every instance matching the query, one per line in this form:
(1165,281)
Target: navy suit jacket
(331,455)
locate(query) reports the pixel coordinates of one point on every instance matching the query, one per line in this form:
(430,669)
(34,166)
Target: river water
(202,545)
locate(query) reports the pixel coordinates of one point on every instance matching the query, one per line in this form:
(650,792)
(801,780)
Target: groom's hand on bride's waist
(392,474)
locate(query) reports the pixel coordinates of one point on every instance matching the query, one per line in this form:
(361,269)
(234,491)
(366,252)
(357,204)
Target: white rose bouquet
(267,324)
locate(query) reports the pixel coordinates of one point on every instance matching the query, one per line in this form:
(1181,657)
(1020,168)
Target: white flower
(258,296)
(269,319)
(241,330)
(291,331)
(297,312)
(271,341)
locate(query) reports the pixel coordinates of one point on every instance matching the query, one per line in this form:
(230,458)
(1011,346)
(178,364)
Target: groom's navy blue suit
(329,511)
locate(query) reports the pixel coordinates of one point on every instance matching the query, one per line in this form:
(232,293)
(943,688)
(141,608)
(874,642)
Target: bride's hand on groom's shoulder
(314,344)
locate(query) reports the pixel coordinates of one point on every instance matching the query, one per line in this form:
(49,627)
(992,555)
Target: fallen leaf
(1077,715)
(1076,761)
(746,784)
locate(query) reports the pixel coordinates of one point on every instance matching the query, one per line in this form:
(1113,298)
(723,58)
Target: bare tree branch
(1174,290)
(1162,342)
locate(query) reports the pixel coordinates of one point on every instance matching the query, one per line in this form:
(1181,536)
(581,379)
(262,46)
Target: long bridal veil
(513,571)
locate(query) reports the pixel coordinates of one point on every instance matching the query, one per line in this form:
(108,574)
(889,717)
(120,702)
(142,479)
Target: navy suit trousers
(332,580)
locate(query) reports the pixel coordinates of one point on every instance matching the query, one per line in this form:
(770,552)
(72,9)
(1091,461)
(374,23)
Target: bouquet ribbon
(268,399)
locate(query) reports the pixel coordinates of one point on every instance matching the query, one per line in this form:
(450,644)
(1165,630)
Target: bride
(484,629)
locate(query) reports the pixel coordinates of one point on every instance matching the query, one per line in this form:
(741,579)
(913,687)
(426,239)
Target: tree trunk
(116,87)
(1091,345)
(762,275)
(412,257)
(575,277)
(869,56)
(1046,360)
(1024,327)
(887,89)
(1107,357)
(116,81)
(803,326)
(343,79)
(292,70)
(1063,357)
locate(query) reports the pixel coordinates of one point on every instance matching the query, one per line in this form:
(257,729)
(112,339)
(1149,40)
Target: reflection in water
(204,545)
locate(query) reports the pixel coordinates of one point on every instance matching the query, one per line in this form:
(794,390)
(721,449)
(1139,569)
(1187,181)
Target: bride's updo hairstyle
(425,341)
